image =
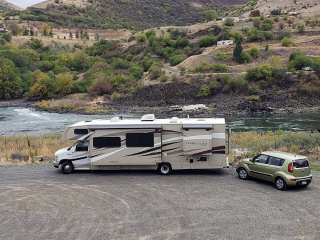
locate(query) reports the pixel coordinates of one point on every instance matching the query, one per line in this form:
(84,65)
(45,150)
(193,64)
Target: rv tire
(165,169)
(66,167)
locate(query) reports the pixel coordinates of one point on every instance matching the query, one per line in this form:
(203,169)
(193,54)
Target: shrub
(254,52)
(300,28)
(101,86)
(299,60)
(287,42)
(136,71)
(64,83)
(155,71)
(43,86)
(260,73)
(212,68)
(119,63)
(235,84)
(266,25)
(204,91)
(276,12)
(228,22)
(208,41)
(176,59)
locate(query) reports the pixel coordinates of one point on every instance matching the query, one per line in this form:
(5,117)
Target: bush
(155,71)
(287,42)
(254,53)
(299,60)
(119,63)
(43,86)
(208,41)
(221,68)
(101,86)
(266,25)
(301,28)
(176,59)
(236,85)
(64,83)
(204,91)
(228,22)
(136,71)
(260,73)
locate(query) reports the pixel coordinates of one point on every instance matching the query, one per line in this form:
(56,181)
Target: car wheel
(242,173)
(280,184)
(67,167)
(165,169)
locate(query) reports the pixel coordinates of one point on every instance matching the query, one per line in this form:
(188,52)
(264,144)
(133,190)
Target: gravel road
(40,203)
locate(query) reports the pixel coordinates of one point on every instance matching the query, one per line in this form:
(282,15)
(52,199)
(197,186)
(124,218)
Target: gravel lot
(40,203)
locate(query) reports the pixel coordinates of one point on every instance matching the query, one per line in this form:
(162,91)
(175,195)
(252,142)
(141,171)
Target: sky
(24,3)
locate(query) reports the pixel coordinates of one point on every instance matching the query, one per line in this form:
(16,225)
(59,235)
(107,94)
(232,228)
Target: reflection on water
(29,121)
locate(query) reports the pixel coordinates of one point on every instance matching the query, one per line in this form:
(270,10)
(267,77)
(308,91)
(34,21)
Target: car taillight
(290,167)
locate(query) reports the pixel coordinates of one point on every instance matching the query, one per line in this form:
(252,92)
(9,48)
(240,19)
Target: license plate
(303,182)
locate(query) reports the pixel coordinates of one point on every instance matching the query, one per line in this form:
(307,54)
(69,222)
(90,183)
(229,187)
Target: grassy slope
(132,14)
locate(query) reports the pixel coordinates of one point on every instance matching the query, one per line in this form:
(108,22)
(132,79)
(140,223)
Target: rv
(146,143)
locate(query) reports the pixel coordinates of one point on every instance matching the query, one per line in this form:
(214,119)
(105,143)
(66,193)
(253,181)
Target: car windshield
(300,163)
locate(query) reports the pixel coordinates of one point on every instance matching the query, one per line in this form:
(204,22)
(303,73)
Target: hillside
(305,8)
(5,6)
(127,13)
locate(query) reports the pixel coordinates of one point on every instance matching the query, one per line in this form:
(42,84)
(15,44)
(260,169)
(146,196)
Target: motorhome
(146,143)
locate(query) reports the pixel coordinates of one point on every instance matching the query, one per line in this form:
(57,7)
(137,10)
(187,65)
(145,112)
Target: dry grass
(246,144)
(19,150)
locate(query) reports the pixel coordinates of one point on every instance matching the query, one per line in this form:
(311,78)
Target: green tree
(237,52)
(10,82)
(43,86)
(64,83)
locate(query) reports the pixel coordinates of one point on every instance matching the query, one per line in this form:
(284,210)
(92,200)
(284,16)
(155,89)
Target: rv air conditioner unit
(148,117)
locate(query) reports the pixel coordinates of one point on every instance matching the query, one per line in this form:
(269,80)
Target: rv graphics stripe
(156,153)
(151,150)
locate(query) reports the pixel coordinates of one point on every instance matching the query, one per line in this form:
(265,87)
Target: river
(14,120)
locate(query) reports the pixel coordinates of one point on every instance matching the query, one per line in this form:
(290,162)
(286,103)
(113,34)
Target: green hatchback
(283,169)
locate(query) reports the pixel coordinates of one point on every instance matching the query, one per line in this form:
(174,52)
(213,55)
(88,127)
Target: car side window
(276,161)
(261,159)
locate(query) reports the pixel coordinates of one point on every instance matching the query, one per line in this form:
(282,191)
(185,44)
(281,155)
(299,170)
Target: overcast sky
(24,3)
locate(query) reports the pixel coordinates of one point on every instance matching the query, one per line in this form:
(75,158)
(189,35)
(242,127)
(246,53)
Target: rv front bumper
(56,163)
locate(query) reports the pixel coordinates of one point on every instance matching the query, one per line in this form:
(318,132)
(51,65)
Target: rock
(196,107)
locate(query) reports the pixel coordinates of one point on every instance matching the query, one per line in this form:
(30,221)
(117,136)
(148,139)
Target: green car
(283,169)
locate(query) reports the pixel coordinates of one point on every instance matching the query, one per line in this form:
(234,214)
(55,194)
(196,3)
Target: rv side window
(139,139)
(106,142)
(80,131)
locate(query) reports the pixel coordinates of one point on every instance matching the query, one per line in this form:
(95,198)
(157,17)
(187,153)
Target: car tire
(242,173)
(280,184)
(67,167)
(165,169)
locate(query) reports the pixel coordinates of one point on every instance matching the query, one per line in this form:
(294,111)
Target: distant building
(225,43)
(3,28)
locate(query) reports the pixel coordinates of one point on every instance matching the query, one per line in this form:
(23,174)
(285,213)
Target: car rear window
(301,163)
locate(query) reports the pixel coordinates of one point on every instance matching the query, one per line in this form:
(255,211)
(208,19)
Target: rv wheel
(165,169)
(67,167)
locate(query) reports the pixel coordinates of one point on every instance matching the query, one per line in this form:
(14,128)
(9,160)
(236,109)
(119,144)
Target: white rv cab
(146,143)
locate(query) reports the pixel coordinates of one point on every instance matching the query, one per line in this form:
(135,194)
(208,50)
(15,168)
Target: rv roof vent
(148,117)
(115,119)
(174,120)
